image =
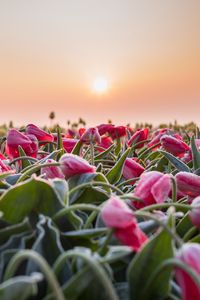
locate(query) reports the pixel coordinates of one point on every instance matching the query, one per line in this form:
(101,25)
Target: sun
(100,85)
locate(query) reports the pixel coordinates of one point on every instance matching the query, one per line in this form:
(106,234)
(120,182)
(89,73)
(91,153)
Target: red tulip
(188,184)
(116,214)
(40,134)
(153,187)
(106,142)
(69,144)
(4,167)
(104,128)
(91,135)
(2,156)
(52,171)
(117,132)
(189,255)
(132,169)
(15,139)
(73,165)
(174,145)
(139,136)
(195,212)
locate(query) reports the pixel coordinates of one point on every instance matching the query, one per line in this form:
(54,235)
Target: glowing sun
(100,85)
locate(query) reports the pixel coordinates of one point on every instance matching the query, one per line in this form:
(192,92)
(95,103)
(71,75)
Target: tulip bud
(16,139)
(195,212)
(153,187)
(189,255)
(69,144)
(132,169)
(139,136)
(117,215)
(188,184)
(173,145)
(51,172)
(91,135)
(73,165)
(40,134)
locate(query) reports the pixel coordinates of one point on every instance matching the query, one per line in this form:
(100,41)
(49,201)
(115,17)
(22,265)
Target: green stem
(150,216)
(190,233)
(74,207)
(96,268)
(165,205)
(92,152)
(95,183)
(142,153)
(127,181)
(17,259)
(103,249)
(35,169)
(22,158)
(174,189)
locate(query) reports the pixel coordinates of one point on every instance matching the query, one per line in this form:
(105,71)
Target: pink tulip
(153,187)
(73,165)
(116,214)
(104,128)
(15,139)
(52,171)
(69,144)
(195,212)
(188,184)
(91,135)
(40,134)
(189,255)
(117,132)
(132,169)
(139,136)
(174,145)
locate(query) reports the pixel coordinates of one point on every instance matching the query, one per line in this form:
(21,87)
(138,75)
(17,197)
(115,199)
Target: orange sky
(52,50)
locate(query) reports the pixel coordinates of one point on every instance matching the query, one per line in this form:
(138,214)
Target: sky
(51,51)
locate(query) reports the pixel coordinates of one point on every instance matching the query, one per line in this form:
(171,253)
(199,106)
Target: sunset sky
(51,52)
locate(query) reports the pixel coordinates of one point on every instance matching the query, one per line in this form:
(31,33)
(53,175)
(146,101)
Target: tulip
(195,212)
(15,139)
(104,128)
(69,144)
(139,136)
(153,187)
(2,157)
(40,134)
(189,255)
(173,145)
(73,165)
(117,132)
(91,135)
(4,167)
(117,215)
(132,169)
(188,184)
(105,143)
(51,172)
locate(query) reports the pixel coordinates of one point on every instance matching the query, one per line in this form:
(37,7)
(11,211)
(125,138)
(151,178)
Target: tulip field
(106,212)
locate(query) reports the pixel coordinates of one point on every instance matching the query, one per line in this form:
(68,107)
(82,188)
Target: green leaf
(158,249)
(34,194)
(115,173)
(195,154)
(77,148)
(104,153)
(177,163)
(25,162)
(20,287)
(184,225)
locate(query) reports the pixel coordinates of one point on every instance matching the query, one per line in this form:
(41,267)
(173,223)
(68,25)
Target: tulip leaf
(77,148)
(158,249)
(104,153)
(177,163)
(20,287)
(115,173)
(34,194)
(195,154)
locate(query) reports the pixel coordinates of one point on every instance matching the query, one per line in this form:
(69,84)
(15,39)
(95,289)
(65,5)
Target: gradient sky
(52,50)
